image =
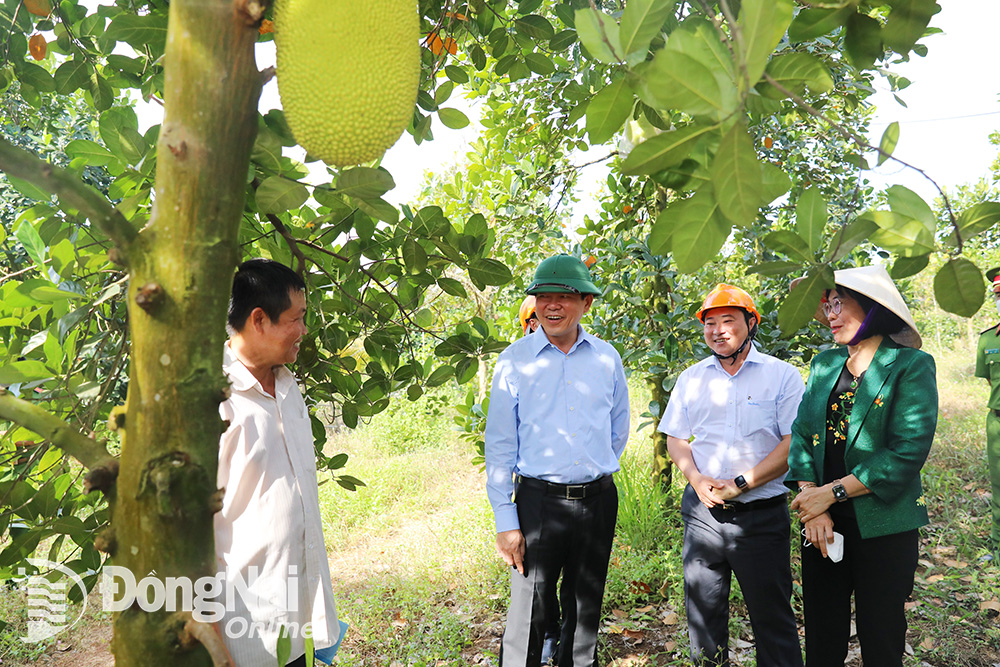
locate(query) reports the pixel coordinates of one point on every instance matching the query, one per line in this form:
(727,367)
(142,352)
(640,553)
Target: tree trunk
(181,270)
(662,465)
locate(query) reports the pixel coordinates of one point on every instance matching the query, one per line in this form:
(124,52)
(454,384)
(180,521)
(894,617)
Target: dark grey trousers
(755,545)
(573,537)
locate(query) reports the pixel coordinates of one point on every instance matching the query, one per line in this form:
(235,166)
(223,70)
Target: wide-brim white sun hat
(874,282)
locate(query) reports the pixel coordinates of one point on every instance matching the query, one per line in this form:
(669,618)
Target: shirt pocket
(759,415)
(993,367)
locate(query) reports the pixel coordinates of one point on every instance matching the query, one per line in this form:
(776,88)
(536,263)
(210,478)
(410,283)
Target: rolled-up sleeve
(501,445)
(792,389)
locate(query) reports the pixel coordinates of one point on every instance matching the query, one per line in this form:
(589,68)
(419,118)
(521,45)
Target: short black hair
(264,284)
(879,320)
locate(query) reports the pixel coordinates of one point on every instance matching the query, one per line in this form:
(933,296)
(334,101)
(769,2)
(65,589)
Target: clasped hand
(713,491)
(811,503)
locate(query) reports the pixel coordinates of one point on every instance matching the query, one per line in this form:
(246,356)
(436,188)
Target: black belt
(762,504)
(568,491)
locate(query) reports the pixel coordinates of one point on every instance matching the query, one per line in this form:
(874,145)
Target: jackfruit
(348,72)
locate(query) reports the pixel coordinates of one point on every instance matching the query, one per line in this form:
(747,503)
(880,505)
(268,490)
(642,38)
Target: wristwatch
(741,482)
(839,492)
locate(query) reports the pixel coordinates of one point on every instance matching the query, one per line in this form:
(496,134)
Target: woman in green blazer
(863,431)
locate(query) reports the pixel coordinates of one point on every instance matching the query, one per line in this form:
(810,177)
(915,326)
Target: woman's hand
(819,531)
(812,502)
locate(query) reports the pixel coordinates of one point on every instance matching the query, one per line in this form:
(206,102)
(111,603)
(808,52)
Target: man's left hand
(812,502)
(728,490)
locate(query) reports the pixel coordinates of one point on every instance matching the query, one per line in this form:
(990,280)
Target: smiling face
(725,329)
(847,322)
(560,314)
(278,341)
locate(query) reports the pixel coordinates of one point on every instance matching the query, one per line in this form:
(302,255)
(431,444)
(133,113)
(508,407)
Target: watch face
(840,493)
(741,482)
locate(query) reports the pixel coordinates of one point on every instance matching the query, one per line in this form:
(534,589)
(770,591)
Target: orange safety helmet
(730,296)
(526,312)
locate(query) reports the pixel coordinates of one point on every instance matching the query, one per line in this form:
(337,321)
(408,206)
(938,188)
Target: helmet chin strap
(735,354)
(742,347)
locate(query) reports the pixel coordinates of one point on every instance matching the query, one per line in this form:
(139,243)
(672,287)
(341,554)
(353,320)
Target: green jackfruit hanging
(348,72)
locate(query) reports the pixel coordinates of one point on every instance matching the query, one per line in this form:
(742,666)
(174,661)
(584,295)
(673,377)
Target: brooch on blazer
(878,401)
(922,501)
(815,439)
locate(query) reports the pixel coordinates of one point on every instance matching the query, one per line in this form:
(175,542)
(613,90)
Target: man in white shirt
(269,534)
(728,425)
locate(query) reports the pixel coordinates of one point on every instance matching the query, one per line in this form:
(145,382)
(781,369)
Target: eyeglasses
(832,307)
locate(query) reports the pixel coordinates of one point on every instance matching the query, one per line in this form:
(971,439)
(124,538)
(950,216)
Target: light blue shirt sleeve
(620,414)
(501,445)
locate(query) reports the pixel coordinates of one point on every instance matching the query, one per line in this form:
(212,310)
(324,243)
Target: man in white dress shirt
(728,425)
(269,533)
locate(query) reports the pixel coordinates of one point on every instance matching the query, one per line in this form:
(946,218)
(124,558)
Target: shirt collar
(243,380)
(539,340)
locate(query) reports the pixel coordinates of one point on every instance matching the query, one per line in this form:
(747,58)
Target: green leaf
(904,267)
(863,41)
(534,26)
(36,77)
(907,22)
(453,118)
(139,30)
(443,92)
(18,372)
(888,143)
(456,74)
(599,34)
(775,182)
(796,72)
(484,271)
(71,75)
(908,203)
(789,243)
(466,369)
(699,230)
(608,111)
(901,234)
(642,20)
(414,257)
(277,195)
(32,242)
(737,177)
(664,150)
(978,218)
(100,90)
(119,129)
(675,80)
(440,375)
(430,221)
(539,63)
(379,209)
(778,268)
(812,23)
(801,303)
(349,415)
(959,287)
(763,23)
(849,236)
(562,40)
(811,216)
(284,647)
(452,287)
(29,189)
(94,154)
(364,182)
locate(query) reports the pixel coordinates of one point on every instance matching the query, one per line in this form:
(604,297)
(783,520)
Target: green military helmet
(563,273)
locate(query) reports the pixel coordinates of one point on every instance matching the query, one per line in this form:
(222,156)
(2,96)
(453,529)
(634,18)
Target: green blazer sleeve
(890,434)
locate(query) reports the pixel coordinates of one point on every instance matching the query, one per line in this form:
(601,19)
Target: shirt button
(571,409)
(310,545)
(576,463)
(573,435)
(568,382)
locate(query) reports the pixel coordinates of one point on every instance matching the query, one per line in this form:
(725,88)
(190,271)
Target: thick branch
(87,451)
(72,192)
(207,636)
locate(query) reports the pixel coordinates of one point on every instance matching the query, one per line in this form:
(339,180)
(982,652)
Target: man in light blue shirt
(558,421)
(728,425)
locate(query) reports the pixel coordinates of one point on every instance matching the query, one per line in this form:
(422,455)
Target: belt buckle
(729,507)
(582,488)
